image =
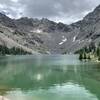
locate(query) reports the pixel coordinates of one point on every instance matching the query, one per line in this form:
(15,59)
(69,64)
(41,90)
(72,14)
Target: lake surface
(52,77)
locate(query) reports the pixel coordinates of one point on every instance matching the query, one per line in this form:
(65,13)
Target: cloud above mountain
(67,11)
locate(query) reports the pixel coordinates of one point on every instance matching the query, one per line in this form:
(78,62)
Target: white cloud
(14,1)
(66,11)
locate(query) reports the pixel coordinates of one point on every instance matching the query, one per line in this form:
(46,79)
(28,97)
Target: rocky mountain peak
(94,16)
(97,8)
(25,21)
(6,21)
(2,15)
(45,20)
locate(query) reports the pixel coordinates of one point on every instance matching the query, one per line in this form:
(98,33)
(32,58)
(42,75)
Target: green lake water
(52,77)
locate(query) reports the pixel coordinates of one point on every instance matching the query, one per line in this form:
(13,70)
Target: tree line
(89,52)
(4,50)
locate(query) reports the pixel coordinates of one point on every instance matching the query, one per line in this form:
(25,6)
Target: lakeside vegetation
(12,51)
(91,52)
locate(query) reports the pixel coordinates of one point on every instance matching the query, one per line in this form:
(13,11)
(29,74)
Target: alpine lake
(49,77)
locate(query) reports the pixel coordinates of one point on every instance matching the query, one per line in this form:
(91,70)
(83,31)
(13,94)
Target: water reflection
(49,77)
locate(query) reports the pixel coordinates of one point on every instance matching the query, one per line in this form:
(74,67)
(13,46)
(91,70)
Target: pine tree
(98,51)
(85,56)
(80,56)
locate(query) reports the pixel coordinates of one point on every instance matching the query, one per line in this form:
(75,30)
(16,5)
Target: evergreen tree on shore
(87,51)
(4,50)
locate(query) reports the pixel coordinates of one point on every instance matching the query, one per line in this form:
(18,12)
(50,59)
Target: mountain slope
(45,36)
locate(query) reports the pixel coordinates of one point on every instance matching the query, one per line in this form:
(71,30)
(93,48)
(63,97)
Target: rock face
(45,36)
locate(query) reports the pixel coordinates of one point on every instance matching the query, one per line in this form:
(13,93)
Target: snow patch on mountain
(63,40)
(74,38)
(37,31)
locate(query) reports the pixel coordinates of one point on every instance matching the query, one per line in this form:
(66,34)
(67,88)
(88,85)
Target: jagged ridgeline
(45,36)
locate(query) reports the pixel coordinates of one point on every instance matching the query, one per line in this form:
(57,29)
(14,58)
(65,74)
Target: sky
(66,11)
